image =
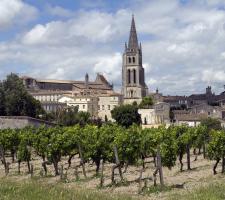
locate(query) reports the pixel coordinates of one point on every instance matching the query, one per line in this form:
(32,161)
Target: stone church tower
(133,75)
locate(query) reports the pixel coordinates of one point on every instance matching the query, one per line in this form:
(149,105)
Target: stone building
(208,110)
(49,91)
(155,116)
(106,103)
(98,106)
(84,103)
(189,119)
(133,75)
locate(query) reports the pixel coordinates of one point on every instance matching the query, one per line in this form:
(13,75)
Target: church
(134,87)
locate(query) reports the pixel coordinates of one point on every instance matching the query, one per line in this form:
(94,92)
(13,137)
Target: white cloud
(183,45)
(86,27)
(210,76)
(110,66)
(15,12)
(59,11)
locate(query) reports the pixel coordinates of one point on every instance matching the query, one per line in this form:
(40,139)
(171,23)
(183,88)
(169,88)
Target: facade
(133,75)
(100,106)
(107,103)
(208,97)
(176,101)
(49,91)
(191,120)
(84,103)
(155,116)
(208,110)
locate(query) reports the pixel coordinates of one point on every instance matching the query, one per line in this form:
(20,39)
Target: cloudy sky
(183,40)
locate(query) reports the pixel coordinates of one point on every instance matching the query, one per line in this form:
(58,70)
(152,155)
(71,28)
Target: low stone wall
(14,122)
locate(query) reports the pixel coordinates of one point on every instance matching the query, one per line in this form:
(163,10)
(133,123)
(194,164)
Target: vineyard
(107,153)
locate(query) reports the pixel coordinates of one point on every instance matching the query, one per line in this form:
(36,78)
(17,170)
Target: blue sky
(183,40)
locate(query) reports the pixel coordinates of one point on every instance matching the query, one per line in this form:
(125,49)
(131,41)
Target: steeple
(133,40)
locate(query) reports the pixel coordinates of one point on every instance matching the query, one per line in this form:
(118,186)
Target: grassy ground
(214,191)
(36,190)
(39,191)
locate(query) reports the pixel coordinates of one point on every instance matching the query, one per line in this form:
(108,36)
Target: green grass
(36,190)
(214,191)
(156,189)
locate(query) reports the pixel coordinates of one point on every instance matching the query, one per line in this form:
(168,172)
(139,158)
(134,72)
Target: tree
(83,118)
(17,101)
(211,124)
(126,115)
(146,102)
(71,116)
(2,100)
(24,147)
(54,149)
(216,148)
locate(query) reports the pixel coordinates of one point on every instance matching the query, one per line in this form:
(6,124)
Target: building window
(103,107)
(129,78)
(83,106)
(108,107)
(145,121)
(98,107)
(133,59)
(131,93)
(134,72)
(129,59)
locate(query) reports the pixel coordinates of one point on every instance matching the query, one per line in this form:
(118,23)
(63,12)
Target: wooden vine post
(223,164)
(82,161)
(102,174)
(61,173)
(76,173)
(31,170)
(159,166)
(188,157)
(158,169)
(2,156)
(116,166)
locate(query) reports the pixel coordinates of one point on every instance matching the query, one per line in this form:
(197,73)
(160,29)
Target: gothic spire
(133,40)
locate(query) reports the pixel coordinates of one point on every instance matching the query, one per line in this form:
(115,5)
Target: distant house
(188,119)
(98,106)
(176,101)
(208,97)
(208,110)
(49,91)
(18,122)
(155,116)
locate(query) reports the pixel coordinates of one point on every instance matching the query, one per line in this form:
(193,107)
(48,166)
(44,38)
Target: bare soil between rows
(180,182)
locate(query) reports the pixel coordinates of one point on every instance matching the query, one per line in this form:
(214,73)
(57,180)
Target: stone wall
(14,122)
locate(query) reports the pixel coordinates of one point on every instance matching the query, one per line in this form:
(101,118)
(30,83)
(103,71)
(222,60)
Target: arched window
(145,121)
(129,78)
(133,59)
(129,59)
(131,93)
(134,74)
